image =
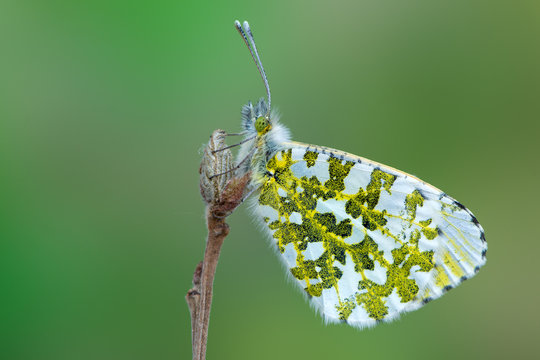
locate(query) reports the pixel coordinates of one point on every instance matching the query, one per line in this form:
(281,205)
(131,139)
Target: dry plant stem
(217,231)
(222,193)
(199,298)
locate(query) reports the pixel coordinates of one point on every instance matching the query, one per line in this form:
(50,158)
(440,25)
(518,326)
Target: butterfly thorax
(269,137)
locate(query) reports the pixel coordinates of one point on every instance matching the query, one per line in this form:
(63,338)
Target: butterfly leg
(234,145)
(248,156)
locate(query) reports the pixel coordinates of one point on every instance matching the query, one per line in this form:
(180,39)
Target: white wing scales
(365,241)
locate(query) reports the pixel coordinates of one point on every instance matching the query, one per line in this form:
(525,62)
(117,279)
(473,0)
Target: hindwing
(365,241)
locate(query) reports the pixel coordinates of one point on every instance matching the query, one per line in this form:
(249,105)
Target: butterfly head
(262,125)
(256,119)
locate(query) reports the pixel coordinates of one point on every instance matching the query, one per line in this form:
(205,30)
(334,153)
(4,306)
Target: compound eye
(261,124)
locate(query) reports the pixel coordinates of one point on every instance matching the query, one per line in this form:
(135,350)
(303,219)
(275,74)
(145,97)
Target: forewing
(365,241)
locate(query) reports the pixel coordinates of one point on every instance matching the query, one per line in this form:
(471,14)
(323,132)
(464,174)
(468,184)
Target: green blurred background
(104,107)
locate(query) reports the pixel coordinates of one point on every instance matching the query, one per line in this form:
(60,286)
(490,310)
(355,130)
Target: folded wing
(365,241)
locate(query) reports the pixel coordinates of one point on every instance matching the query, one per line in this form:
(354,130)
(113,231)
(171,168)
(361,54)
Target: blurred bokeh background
(104,106)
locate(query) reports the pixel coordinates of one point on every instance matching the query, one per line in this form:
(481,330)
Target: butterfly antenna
(247,34)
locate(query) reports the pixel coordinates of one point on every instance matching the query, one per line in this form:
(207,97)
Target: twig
(222,194)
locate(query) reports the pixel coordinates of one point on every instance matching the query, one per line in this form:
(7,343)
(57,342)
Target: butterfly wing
(365,241)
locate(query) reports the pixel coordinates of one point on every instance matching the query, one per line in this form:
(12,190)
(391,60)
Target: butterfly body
(266,143)
(364,241)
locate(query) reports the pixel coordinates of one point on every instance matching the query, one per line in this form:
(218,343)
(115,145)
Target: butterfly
(364,241)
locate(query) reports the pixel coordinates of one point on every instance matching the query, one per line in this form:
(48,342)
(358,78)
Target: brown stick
(217,231)
(222,195)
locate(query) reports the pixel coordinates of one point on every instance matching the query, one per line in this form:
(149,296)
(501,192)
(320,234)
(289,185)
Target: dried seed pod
(216,165)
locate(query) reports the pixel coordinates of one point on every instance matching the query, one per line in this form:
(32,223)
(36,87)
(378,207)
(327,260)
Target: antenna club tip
(236,23)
